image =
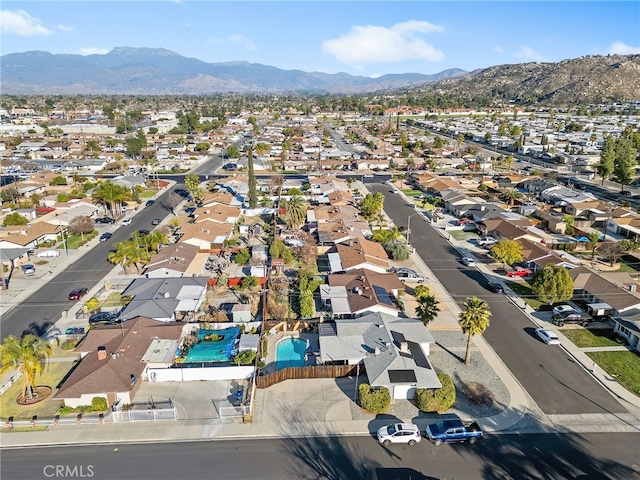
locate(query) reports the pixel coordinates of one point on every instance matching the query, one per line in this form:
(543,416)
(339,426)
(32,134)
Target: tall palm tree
(28,354)
(427,309)
(474,320)
(296,211)
(380,220)
(511,196)
(126,253)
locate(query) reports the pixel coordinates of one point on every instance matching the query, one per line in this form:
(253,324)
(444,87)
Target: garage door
(404,392)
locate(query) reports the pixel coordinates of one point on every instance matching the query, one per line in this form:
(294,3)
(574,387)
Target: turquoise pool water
(218,351)
(290,353)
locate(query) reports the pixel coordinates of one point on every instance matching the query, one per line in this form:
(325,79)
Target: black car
(560,319)
(496,287)
(104,220)
(143,231)
(230,166)
(150,202)
(626,193)
(105,236)
(102,317)
(189,210)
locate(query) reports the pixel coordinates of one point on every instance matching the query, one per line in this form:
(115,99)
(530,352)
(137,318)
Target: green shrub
(245,357)
(438,400)
(98,404)
(212,337)
(374,399)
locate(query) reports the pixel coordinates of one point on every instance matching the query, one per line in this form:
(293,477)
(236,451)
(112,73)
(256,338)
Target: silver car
(547,336)
(399,433)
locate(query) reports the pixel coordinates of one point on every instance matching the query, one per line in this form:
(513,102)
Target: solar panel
(402,376)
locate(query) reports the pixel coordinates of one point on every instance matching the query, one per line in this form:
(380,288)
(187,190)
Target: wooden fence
(321,371)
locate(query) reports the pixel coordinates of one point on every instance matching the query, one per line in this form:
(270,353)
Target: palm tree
(29,355)
(296,211)
(474,320)
(427,309)
(126,253)
(380,220)
(511,196)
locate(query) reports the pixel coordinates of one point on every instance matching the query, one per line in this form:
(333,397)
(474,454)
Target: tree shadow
(316,455)
(545,455)
(38,329)
(454,355)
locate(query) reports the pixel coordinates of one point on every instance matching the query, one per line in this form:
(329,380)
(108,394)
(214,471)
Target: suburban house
(205,234)
(340,231)
(218,213)
(394,351)
(165,299)
(353,294)
(29,236)
(356,254)
(115,357)
(177,260)
(617,289)
(629,328)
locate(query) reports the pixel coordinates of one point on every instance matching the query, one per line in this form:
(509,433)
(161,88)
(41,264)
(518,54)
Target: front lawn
(76,241)
(412,192)
(597,337)
(523,290)
(624,366)
(51,376)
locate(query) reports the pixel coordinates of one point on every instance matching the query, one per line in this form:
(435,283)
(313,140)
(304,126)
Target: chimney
(377,351)
(102,352)
(404,347)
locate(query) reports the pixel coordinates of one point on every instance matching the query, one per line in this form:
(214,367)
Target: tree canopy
(507,251)
(474,320)
(553,284)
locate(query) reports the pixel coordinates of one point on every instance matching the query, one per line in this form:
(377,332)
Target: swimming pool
(218,351)
(290,353)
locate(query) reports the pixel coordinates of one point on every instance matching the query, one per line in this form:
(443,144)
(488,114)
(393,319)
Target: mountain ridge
(129,70)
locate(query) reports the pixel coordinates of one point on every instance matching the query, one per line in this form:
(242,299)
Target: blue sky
(367,38)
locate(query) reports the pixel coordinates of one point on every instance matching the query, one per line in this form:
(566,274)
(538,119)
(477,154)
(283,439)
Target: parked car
(626,193)
(563,308)
(189,210)
(126,221)
(74,331)
(547,336)
(150,202)
(560,319)
(102,317)
(399,433)
(78,293)
(105,236)
(519,272)
(143,231)
(496,287)
(155,221)
(28,269)
(48,254)
(368,175)
(453,431)
(487,241)
(469,262)
(408,275)
(104,220)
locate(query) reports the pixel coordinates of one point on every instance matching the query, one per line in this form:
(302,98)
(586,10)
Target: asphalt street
(542,456)
(553,379)
(45,306)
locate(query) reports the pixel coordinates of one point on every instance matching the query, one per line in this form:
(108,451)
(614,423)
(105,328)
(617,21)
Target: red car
(77,293)
(519,272)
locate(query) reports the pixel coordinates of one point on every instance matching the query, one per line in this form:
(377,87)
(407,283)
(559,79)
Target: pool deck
(273,340)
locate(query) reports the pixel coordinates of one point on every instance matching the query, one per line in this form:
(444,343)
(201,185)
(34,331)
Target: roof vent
(377,351)
(166,295)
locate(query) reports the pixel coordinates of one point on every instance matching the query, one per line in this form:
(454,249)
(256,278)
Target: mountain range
(157,71)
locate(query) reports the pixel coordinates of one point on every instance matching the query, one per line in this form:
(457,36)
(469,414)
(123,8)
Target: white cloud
(528,54)
(237,39)
(19,22)
(619,48)
(93,51)
(371,44)
(65,28)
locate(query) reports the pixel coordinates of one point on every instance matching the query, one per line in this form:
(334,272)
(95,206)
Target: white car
(399,433)
(48,254)
(547,336)
(469,262)
(368,175)
(126,221)
(560,309)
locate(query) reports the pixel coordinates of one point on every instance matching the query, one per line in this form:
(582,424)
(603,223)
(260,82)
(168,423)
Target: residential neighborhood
(269,249)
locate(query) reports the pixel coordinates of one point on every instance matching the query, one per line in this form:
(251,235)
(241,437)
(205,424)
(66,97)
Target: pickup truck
(453,431)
